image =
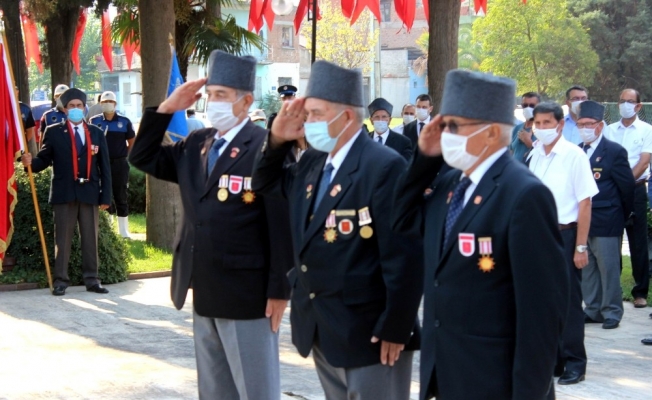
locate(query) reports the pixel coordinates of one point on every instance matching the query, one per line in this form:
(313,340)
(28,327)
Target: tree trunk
(442,45)
(59,36)
(164,211)
(213,9)
(16,46)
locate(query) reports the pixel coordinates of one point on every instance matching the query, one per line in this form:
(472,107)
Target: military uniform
(283,91)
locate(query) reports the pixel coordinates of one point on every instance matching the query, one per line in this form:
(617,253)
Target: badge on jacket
(486,262)
(466,244)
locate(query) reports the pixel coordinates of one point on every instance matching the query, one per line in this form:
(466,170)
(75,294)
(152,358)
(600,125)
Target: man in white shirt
(423,109)
(408,113)
(636,137)
(565,169)
(574,97)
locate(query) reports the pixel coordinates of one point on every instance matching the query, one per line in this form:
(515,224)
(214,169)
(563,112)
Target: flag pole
(29,171)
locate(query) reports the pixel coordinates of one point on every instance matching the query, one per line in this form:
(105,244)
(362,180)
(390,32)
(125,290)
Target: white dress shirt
(636,139)
(566,171)
(230,135)
(479,171)
(382,136)
(592,146)
(80,129)
(399,128)
(337,160)
(425,122)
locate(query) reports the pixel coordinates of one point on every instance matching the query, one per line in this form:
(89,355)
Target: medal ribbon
(89,149)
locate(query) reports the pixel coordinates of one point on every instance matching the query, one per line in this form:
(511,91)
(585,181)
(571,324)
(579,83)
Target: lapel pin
(477,200)
(203,151)
(234,152)
(450,196)
(598,159)
(308,191)
(336,189)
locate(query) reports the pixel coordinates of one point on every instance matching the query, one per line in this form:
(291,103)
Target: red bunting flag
(130,46)
(302,10)
(255,15)
(426,10)
(406,9)
(79,33)
(481,5)
(347,7)
(32,49)
(107,43)
(360,5)
(268,13)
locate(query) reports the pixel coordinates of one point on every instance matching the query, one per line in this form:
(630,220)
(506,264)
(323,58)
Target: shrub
(26,246)
(137,191)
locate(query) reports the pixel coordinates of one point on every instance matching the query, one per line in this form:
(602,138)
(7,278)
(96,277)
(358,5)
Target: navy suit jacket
(487,334)
(56,150)
(613,204)
(398,142)
(410,131)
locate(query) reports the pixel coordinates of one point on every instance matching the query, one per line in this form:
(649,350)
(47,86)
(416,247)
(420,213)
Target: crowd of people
(510,233)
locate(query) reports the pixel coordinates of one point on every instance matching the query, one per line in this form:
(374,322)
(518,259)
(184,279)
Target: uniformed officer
(287,93)
(119,137)
(56,114)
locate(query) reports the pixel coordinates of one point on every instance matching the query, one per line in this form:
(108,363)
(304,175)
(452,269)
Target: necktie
(214,153)
(78,141)
(380,139)
(323,185)
(586,148)
(456,206)
(421,124)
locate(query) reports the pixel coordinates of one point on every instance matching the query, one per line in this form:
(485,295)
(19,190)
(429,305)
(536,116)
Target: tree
(444,21)
(538,44)
(16,47)
(339,42)
(621,34)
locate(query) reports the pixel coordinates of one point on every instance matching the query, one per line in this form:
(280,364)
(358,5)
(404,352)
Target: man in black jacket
(380,113)
(231,244)
(357,285)
(81,180)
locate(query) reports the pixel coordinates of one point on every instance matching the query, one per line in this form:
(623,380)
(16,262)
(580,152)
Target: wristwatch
(581,248)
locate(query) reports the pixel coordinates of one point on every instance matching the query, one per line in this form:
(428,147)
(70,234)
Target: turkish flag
(107,43)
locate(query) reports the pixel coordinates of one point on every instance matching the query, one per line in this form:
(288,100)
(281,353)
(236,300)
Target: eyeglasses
(627,101)
(589,125)
(526,105)
(452,126)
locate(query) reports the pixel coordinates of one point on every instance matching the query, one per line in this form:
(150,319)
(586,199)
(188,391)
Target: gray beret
(335,84)
(380,104)
(476,95)
(591,109)
(232,71)
(72,94)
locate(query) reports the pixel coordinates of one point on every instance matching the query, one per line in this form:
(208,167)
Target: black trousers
(637,236)
(119,185)
(572,354)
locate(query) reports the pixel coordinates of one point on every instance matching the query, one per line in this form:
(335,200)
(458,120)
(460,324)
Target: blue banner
(178,129)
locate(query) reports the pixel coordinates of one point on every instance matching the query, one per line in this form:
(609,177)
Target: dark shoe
(97,289)
(589,320)
(571,378)
(59,290)
(647,341)
(640,302)
(610,323)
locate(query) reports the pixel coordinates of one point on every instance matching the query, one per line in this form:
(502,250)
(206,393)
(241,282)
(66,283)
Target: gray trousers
(373,382)
(66,218)
(236,359)
(601,289)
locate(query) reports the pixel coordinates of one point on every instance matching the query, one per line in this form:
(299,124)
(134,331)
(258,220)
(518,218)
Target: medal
(364,219)
(308,191)
(366,232)
(248,196)
(486,262)
(330,235)
(223,194)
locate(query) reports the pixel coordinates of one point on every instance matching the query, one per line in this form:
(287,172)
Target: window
(385,10)
(126,93)
(111,83)
(282,81)
(286,36)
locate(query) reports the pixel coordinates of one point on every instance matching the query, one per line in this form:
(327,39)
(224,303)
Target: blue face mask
(318,137)
(75,114)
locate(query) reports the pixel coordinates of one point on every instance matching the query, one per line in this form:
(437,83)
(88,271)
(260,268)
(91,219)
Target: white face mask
(627,110)
(407,119)
(220,113)
(546,136)
(587,135)
(107,107)
(575,107)
(528,113)
(381,126)
(422,113)
(453,147)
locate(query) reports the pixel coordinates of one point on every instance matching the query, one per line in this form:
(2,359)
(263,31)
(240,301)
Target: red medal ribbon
(89,150)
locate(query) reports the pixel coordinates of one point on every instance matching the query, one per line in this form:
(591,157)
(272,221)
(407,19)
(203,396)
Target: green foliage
(26,246)
(137,191)
(627,281)
(271,103)
(621,34)
(539,44)
(148,258)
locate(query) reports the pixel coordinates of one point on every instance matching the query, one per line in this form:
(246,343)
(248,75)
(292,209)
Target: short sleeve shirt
(117,131)
(26,116)
(566,171)
(636,139)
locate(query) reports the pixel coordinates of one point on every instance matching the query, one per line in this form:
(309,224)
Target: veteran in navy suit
(610,209)
(496,287)
(232,244)
(81,181)
(380,113)
(356,284)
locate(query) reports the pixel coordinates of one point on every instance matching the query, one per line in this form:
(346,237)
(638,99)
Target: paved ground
(132,344)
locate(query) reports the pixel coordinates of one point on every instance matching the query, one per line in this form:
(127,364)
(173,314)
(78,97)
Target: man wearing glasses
(574,97)
(522,137)
(636,137)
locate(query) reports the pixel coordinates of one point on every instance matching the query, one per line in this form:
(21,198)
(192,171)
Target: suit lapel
(598,153)
(232,154)
(312,183)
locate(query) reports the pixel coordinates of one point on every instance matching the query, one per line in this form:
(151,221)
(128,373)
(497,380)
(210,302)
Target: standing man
(408,113)
(423,109)
(380,113)
(481,221)
(286,93)
(96,108)
(81,181)
(565,169)
(574,97)
(611,207)
(636,137)
(57,113)
(522,137)
(232,245)
(192,122)
(119,137)
(357,284)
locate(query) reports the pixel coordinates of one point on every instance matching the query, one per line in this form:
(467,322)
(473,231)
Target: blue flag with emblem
(177,129)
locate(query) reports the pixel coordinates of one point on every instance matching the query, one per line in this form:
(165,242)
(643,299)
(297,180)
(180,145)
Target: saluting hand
(430,137)
(274,311)
(183,97)
(389,352)
(288,124)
